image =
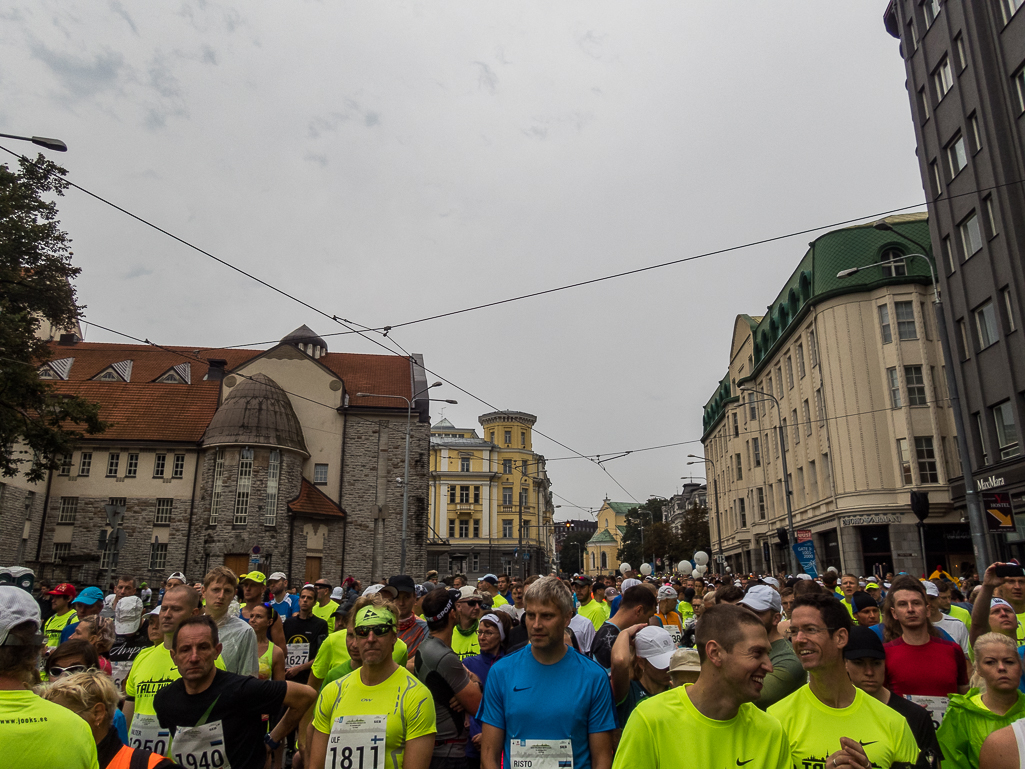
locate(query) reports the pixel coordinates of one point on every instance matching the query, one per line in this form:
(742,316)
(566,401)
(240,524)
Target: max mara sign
(993,482)
(870,520)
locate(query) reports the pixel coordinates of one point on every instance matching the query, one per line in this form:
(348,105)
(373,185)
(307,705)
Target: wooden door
(237,562)
(312,568)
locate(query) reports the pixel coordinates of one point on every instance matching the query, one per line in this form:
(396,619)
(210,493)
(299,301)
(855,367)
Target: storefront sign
(803,535)
(999,513)
(993,482)
(905,555)
(870,520)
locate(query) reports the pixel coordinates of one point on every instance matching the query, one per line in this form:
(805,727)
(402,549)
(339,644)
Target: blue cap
(490,578)
(89,596)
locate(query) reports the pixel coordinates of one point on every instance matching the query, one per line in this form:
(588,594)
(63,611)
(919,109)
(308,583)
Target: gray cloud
(119,10)
(82,77)
(352,111)
(486,78)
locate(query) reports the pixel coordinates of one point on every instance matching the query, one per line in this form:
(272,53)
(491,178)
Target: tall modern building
(966,83)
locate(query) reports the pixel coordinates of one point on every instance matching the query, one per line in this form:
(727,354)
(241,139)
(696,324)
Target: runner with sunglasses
(324,607)
(468,610)
(379,715)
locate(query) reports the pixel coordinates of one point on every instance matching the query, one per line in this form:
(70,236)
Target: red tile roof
(143,409)
(312,501)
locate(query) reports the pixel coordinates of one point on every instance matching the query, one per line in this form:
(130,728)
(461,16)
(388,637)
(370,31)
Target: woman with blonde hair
(99,631)
(94,698)
(972,717)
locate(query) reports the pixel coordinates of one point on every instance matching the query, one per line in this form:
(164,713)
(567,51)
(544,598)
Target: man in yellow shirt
(488,586)
(587,607)
(828,721)
(63,615)
(324,607)
(712,722)
(468,610)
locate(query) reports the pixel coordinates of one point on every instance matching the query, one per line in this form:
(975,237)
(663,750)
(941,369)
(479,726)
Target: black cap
(863,643)
(581,579)
(403,583)
(862,600)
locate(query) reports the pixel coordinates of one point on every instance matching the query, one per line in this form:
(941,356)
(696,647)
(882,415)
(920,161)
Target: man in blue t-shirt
(283,602)
(577,716)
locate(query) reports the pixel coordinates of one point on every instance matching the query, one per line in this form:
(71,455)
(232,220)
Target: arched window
(604,560)
(897,269)
(592,561)
(270,514)
(245,480)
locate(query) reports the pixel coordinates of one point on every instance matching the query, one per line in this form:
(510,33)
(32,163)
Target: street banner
(999,512)
(805,552)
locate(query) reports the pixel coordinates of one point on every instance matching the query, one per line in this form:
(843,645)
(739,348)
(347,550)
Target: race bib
(296,654)
(119,673)
(200,747)
(357,742)
(937,706)
(541,754)
(147,733)
(674,633)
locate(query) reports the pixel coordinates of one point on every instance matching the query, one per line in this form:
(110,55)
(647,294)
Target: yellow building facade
(490,499)
(602,554)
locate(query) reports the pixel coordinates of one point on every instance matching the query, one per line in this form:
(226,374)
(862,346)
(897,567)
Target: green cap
(254,576)
(374,615)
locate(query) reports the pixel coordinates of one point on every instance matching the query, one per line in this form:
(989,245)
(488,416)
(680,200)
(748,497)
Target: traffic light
(782,536)
(920,504)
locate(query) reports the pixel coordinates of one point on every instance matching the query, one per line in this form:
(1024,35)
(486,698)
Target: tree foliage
(37,423)
(660,541)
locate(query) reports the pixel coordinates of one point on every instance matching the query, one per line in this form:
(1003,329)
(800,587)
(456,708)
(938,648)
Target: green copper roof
(814,281)
(621,529)
(602,537)
(621,508)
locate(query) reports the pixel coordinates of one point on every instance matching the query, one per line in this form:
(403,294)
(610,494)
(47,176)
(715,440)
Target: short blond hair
(218,573)
(81,691)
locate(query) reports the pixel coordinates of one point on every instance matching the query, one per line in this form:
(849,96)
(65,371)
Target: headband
(496,622)
(1000,602)
(373,615)
(443,613)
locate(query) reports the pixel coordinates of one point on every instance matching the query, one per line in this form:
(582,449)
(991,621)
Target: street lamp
(975,520)
(405,477)
(715,492)
(786,475)
(42,141)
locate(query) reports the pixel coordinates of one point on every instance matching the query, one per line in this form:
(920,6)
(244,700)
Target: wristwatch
(271,742)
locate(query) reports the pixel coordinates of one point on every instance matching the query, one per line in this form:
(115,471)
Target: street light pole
(792,559)
(715,486)
(42,141)
(976,522)
(405,477)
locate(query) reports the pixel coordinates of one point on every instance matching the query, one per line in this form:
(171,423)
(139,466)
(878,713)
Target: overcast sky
(387,161)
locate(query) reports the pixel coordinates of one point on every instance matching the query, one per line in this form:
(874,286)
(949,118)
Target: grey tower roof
(256,413)
(305,335)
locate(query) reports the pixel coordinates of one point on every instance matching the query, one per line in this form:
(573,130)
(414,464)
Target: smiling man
(714,719)
(829,722)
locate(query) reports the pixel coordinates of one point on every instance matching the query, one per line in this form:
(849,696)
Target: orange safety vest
(123,759)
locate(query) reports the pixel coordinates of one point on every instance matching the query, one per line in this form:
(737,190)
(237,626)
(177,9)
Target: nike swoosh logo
(520,688)
(741,763)
(865,744)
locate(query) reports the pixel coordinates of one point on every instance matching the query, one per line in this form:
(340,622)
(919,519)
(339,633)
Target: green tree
(574,548)
(36,420)
(694,532)
(658,539)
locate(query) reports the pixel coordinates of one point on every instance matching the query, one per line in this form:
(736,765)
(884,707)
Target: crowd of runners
(249,672)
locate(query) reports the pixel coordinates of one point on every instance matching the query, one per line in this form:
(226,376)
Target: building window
(476,495)
(894,382)
(68,509)
(937,180)
(884,324)
(526,529)
(820,407)
(779,381)
(507,495)
(476,529)
(61,550)
(991,218)
(523,467)
(895,270)
(1007,433)
(159,461)
(760,498)
(508,437)
(451,495)
(523,497)
(740,470)
(218,486)
(270,513)
(796,425)
(178,468)
(464,495)
(813,481)
(800,360)
(905,460)
(1006,294)
(807,417)
(736,426)
(113,460)
(912,34)
(926,456)
(943,79)
(786,444)
(158,556)
(932,10)
(507,466)
(905,312)
(812,350)
(245,481)
(923,104)
(755,445)
(464,464)
(66,460)
(986,324)
(982,438)
(790,372)
(475,562)
(971,235)
(464,529)
(451,528)
(507,527)
(962,327)
(775,443)
(1019,88)
(132,468)
(320,474)
(1008,8)
(948,251)
(916,386)
(962,54)
(973,131)
(742,512)
(163,515)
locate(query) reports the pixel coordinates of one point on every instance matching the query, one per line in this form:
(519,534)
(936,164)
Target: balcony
(465,508)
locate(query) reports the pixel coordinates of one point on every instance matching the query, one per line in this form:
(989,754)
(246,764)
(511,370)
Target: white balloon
(728,569)
(646,569)
(700,570)
(700,557)
(624,567)
(685,567)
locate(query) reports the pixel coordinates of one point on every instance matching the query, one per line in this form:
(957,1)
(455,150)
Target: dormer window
(116,372)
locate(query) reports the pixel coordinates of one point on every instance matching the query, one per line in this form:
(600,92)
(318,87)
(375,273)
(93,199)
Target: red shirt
(935,669)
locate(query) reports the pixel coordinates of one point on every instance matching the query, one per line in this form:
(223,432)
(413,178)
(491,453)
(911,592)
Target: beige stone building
(250,458)
(857,369)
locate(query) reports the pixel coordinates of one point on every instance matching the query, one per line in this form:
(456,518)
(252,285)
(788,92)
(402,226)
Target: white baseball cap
(629,583)
(16,606)
(128,615)
(666,592)
(378,588)
(930,589)
(762,598)
(771,581)
(655,645)
(277,575)
(338,593)
(804,576)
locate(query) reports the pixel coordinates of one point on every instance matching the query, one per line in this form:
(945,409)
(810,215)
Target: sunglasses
(379,630)
(473,602)
(56,671)
(322,587)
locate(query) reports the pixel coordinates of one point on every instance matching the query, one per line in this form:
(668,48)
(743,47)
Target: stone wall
(21,513)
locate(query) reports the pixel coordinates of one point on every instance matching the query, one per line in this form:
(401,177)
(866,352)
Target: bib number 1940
(357,742)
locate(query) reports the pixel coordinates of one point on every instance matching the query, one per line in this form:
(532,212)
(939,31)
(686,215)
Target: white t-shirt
(956,629)
(584,630)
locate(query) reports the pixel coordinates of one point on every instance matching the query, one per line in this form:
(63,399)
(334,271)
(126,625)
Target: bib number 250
(357,742)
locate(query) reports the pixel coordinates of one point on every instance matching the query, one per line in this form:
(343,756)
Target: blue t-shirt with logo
(286,608)
(574,695)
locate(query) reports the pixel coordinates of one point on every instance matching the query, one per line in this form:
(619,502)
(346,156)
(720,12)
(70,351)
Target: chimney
(68,340)
(216,371)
